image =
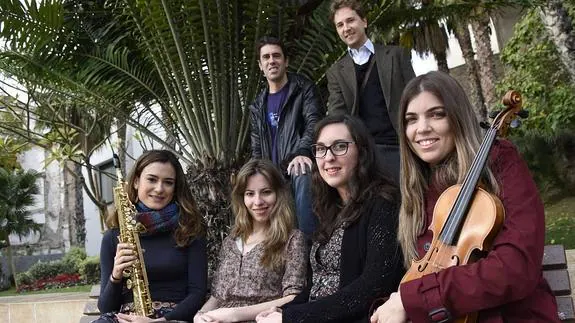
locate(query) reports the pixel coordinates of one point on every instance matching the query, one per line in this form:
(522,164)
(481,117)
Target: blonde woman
(263,261)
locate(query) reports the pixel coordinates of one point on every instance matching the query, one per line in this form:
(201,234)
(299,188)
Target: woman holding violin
(498,278)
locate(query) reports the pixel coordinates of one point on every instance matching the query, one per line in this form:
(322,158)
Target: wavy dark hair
(282,215)
(191,223)
(367,181)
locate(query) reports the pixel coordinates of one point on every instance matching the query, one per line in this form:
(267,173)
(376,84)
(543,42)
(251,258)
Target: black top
(175,274)
(372,106)
(299,113)
(371,267)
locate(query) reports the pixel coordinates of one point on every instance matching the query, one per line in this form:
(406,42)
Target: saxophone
(136,276)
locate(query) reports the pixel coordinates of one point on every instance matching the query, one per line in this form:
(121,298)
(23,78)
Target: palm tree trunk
(170,126)
(441,59)
(74,205)
(11,261)
(486,60)
(463,36)
(79,218)
(560,29)
(121,142)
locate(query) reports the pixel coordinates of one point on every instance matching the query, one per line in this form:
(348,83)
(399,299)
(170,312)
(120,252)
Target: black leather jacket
(298,115)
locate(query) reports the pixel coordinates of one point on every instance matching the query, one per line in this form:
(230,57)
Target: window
(107,180)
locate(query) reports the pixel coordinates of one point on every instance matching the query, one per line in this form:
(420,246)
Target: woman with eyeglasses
(355,256)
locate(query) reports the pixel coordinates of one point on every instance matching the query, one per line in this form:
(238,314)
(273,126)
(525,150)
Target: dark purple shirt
(274,106)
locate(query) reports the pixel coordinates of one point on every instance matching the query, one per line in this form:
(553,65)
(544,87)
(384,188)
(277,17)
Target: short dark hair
(354,5)
(269,40)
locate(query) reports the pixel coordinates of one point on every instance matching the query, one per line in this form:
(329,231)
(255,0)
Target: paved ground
(45,297)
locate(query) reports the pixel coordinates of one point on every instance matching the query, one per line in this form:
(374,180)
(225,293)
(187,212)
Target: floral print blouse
(241,280)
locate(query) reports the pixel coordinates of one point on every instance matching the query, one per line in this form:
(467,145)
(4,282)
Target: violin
(466,218)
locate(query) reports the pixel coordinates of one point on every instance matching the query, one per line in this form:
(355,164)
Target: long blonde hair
(282,215)
(416,175)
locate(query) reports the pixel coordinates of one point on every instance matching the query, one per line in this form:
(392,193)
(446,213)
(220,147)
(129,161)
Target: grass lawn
(82,288)
(560,222)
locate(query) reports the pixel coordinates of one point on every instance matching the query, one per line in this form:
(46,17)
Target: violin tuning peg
(485,125)
(523,113)
(494,113)
(515,123)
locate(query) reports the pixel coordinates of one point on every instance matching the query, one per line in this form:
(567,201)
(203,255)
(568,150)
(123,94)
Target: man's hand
(297,166)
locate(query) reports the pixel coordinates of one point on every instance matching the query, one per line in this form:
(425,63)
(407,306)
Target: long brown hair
(282,215)
(367,181)
(416,175)
(190,223)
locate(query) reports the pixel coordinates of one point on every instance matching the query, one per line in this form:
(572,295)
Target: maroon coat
(507,285)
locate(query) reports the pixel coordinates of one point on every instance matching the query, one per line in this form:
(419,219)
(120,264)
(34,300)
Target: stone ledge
(95,291)
(42,312)
(91,308)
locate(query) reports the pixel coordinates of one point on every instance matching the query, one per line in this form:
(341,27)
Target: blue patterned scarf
(156,221)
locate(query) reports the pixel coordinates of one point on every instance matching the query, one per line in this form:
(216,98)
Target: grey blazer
(394,69)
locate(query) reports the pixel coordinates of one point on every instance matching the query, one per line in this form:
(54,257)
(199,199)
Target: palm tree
(486,60)
(189,68)
(461,32)
(559,26)
(17,189)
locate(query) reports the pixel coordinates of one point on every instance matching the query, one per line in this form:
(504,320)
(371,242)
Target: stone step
(88,319)
(95,291)
(91,308)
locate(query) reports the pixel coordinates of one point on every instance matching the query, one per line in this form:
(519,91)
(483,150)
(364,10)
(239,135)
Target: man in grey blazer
(368,81)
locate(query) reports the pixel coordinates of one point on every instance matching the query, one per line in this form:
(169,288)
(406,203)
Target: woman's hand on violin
(127,318)
(125,257)
(391,311)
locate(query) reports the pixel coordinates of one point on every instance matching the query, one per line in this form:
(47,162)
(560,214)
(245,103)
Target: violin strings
(456,214)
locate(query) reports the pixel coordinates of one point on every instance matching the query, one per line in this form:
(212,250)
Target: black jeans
(301,188)
(389,160)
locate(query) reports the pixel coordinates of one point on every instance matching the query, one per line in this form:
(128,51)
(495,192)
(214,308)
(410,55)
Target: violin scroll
(508,116)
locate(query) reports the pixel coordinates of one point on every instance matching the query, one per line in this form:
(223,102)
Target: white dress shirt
(361,56)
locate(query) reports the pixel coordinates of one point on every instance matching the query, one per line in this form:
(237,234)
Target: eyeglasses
(337,149)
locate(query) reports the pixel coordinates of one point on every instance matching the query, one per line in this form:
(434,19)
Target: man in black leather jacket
(282,120)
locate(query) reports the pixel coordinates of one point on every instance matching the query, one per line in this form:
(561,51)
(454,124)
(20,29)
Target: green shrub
(551,160)
(42,270)
(90,270)
(73,258)
(23,278)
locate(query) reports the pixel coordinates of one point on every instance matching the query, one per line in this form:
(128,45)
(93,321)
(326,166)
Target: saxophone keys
(129,284)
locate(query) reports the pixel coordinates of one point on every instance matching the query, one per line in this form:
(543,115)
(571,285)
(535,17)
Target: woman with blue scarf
(174,244)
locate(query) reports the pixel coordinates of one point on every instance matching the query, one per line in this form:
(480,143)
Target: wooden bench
(554,270)
(91,311)
(556,274)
